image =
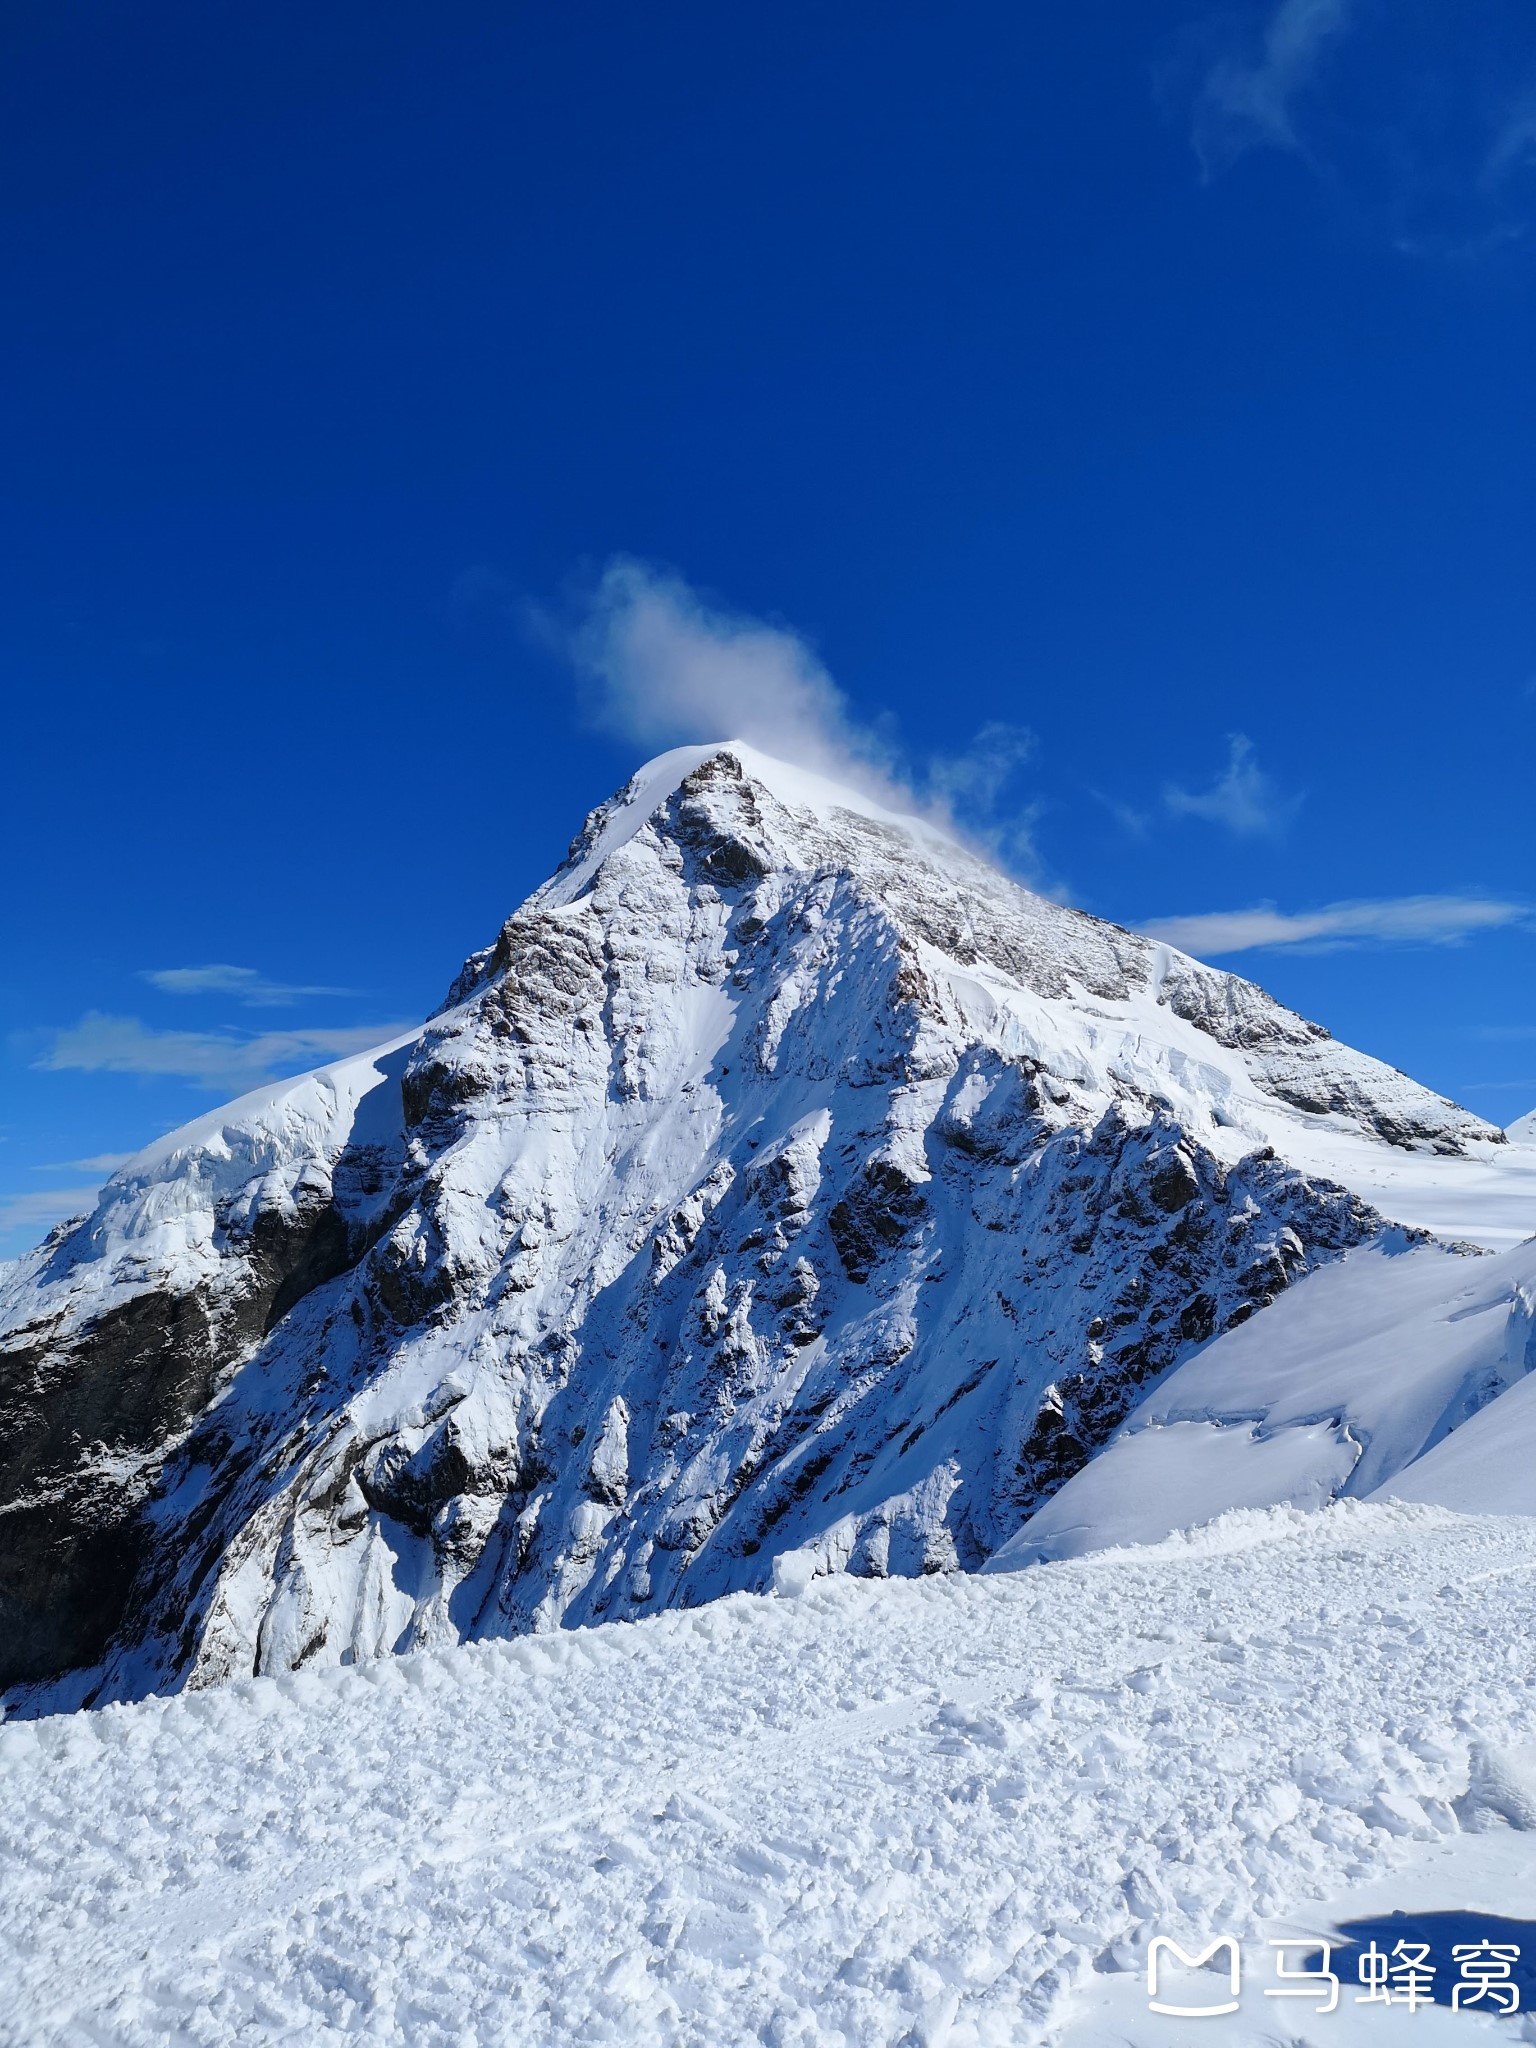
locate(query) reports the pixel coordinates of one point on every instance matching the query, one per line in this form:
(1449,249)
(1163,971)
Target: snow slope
(947,1811)
(782,1176)
(1352,1384)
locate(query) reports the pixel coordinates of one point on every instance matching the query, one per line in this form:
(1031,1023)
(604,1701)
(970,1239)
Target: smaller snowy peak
(122,1328)
(166,1215)
(308,1112)
(1523,1130)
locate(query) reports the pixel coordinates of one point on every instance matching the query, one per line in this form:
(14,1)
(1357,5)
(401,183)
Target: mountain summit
(783,1179)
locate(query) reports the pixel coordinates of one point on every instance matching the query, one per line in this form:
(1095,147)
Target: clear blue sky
(1136,376)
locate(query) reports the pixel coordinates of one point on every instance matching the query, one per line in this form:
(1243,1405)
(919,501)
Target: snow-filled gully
(949,1811)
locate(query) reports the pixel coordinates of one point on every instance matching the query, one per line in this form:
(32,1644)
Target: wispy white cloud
(104,1044)
(1401,920)
(41,1210)
(1243,797)
(660,664)
(1389,110)
(980,772)
(246,984)
(1134,823)
(101,1162)
(1248,96)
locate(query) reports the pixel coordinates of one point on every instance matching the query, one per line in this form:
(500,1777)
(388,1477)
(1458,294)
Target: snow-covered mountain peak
(800,792)
(783,1176)
(1119,1009)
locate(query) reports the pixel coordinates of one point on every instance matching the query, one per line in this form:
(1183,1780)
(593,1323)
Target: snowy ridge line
(1014,1787)
(779,1168)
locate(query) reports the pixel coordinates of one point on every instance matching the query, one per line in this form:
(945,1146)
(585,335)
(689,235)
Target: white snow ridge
(786,1202)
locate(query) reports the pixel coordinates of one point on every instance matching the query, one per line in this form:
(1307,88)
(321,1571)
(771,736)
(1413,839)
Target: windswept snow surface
(941,1811)
(1396,1372)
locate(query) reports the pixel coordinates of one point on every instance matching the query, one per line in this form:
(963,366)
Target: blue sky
(1119,420)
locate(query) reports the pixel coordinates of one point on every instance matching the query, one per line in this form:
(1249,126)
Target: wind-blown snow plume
(660,664)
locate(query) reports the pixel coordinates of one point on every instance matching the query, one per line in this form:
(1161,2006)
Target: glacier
(784,1191)
(1401,1372)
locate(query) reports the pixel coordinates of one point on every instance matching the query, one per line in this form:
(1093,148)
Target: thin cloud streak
(105,1044)
(41,1210)
(973,784)
(1396,125)
(102,1162)
(1401,920)
(1514,145)
(246,984)
(1133,823)
(1242,798)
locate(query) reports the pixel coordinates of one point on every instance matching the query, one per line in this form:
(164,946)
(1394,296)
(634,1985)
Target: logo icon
(1161,1944)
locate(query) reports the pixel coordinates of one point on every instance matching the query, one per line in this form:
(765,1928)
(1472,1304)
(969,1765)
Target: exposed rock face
(781,1173)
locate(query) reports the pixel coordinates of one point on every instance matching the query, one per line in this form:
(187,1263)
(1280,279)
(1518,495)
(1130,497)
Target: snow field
(913,1812)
